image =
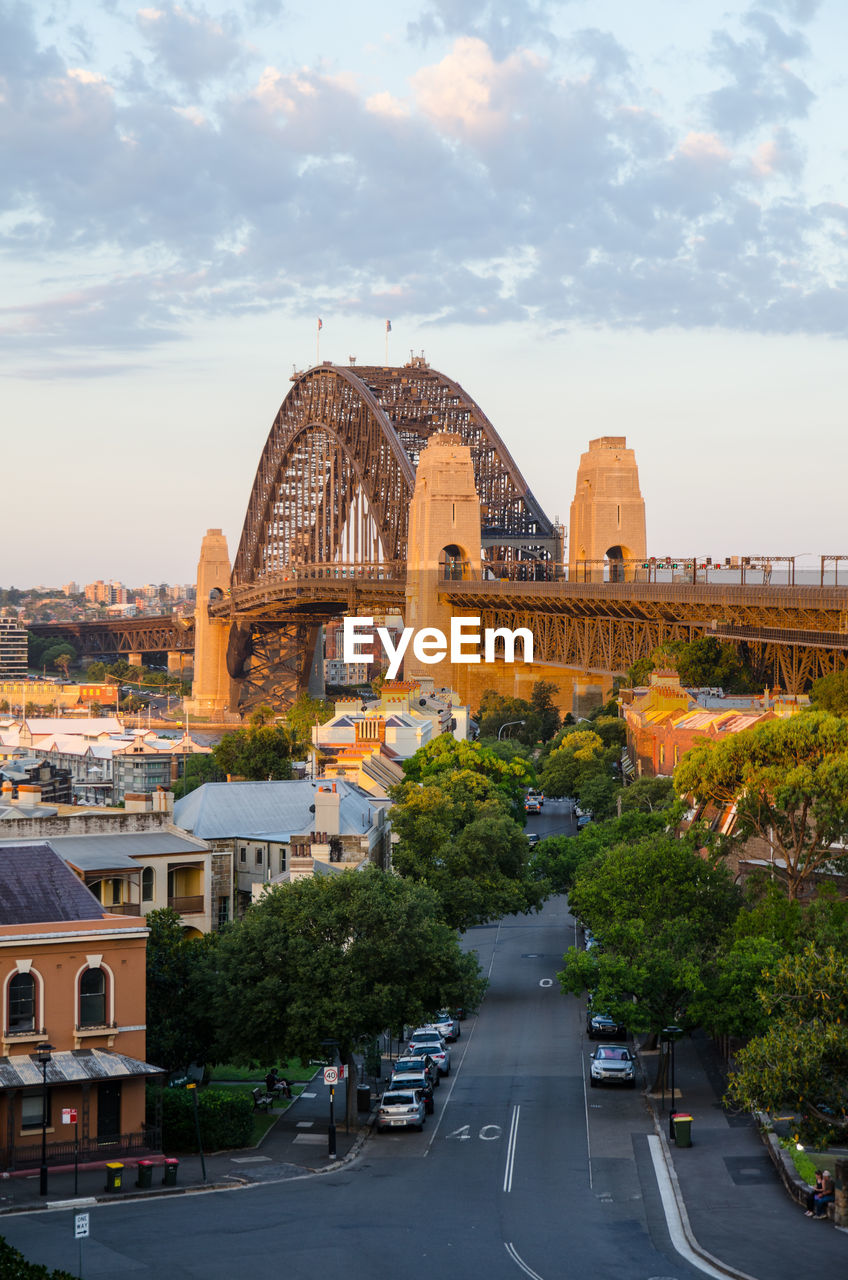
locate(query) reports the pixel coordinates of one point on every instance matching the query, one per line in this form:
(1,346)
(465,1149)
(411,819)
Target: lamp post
(671,1034)
(44,1055)
(507,725)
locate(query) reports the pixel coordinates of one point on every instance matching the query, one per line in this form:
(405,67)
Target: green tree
(338,958)
(497,711)
(544,715)
(95,672)
(445,756)
(179,1028)
(830,693)
(580,755)
(789,782)
(651,795)
(659,909)
(557,858)
(256,753)
(300,718)
(800,1062)
(62,662)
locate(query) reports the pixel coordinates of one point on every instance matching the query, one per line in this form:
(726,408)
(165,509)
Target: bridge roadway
(521,1171)
(794,634)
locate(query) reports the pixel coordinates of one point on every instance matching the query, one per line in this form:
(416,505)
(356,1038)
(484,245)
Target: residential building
(13,648)
(18,695)
(29,772)
(284,830)
(72,976)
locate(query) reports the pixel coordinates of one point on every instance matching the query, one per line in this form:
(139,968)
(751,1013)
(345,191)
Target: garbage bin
(114,1175)
(145,1174)
(169,1175)
(682,1129)
(363,1097)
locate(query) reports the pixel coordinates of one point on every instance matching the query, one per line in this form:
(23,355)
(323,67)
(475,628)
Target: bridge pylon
(210,689)
(607,514)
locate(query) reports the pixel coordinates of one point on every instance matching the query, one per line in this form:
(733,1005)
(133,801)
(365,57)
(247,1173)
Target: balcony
(187,905)
(123,909)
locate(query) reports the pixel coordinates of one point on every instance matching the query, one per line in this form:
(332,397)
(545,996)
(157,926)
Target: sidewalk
(738,1210)
(296,1145)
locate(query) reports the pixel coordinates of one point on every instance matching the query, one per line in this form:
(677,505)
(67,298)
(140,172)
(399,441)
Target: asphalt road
(556,819)
(522,1170)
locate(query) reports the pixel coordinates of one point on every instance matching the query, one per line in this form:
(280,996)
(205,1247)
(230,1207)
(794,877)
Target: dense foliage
(14,1266)
(529,722)
(226,1119)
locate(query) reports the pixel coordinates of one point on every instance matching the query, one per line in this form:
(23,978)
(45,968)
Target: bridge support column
(444,543)
(135,659)
(607,514)
(210,690)
(179,663)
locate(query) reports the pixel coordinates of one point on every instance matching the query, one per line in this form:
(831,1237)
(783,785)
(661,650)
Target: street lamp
(43,1055)
(507,725)
(671,1035)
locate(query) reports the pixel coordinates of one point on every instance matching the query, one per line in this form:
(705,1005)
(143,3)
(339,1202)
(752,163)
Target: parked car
(531,805)
(533,837)
(602,1026)
(431,1042)
(612,1064)
(584,819)
(537,796)
(401,1109)
(420,1062)
(447,1025)
(403,1081)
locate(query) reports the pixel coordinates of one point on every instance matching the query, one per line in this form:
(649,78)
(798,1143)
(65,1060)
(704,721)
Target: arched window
(92,998)
(22,1002)
(147,876)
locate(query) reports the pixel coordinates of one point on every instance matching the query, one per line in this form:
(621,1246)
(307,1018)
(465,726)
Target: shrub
(14,1266)
(226,1119)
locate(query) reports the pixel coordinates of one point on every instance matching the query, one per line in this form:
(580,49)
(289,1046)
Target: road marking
(546,982)
(463,1134)
(510,1149)
(588,1138)
(496,1132)
(528,1271)
(453,1082)
(674,1220)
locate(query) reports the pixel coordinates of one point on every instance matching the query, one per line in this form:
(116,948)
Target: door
(108,1111)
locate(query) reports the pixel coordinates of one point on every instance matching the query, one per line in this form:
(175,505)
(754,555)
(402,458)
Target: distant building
(13,648)
(23,694)
(71,588)
(72,975)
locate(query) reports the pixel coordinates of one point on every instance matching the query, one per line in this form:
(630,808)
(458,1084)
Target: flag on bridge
(320,324)
(388,326)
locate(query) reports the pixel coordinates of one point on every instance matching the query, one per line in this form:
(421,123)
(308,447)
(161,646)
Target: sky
(600,218)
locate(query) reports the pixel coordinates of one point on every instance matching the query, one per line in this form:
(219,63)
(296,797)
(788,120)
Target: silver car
(446,1024)
(401,1109)
(612,1064)
(425,1041)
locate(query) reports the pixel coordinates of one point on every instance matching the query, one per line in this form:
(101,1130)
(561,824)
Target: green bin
(682,1129)
(169,1178)
(114,1175)
(145,1174)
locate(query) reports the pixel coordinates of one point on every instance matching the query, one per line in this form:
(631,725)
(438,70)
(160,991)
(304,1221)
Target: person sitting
(275,1083)
(813,1192)
(821,1199)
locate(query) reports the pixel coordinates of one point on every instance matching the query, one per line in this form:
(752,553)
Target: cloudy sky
(599,217)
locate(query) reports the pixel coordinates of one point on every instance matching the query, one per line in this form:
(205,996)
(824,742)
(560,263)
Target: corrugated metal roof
(71,1065)
(116,850)
(36,887)
(268,810)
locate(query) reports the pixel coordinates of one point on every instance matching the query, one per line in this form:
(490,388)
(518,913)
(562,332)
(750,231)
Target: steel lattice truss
(337,472)
(154,634)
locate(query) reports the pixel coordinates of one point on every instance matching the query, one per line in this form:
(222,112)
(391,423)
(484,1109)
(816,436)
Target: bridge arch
(337,472)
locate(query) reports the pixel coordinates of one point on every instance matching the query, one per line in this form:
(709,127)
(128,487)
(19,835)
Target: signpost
(80,1234)
(332,1076)
(69,1116)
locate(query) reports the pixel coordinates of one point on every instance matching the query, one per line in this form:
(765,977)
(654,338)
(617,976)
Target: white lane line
(494,948)
(588,1138)
(673,1218)
(528,1271)
(510,1149)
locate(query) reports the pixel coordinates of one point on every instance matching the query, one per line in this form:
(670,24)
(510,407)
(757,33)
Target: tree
(179,1027)
(197,769)
(830,693)
(444,756)
(800,1063)
(580,755)
(95,671)
(301,716)
(338,958)
(651,795)
(63,661)
(558,858)
(659,910)
(258,753)
(596,794)
(497,711)
(788,780)
(545,717)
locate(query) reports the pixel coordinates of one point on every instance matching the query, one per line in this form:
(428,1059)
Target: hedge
(14,1266)
(226,1119)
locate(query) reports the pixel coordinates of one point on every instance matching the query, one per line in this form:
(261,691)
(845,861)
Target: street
(517,1172)
(556,819)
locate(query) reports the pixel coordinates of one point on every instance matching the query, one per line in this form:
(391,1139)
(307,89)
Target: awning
(72,1066)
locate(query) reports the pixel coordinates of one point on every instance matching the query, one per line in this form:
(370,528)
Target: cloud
(762,90)
(504,25)
(498,188)
(189,45)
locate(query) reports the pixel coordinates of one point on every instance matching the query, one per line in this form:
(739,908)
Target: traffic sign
(80,1226)
(69,1115)
(331,1075)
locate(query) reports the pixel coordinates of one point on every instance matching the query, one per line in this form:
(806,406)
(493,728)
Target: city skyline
(598,222)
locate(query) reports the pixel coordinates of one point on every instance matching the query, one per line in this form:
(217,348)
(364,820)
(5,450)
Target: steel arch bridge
(337,472)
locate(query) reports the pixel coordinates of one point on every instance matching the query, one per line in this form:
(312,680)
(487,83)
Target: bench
(261,1100)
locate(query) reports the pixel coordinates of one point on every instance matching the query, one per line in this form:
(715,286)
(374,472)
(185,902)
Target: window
(223,912)
(259,857)
(22,1003)
(92,998)
(147,884)
(242,854)
(31,1110)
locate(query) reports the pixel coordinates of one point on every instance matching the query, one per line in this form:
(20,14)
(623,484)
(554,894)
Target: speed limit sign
(331,1075)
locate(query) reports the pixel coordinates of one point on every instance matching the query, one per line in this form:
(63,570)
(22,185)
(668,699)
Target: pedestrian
(271,1082)
(821,1199)
(813,1192)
